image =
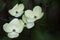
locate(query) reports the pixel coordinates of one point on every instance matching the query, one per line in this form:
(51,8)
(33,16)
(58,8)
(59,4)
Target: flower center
(25,23)
(16,12)
(35,17)
(13,30)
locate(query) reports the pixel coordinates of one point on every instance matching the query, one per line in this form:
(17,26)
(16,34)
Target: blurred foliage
(41,30)
(5,38)
(13,2)
(2,5)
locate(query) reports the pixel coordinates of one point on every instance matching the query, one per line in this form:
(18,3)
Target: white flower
(35,14)
(14,26)
(13,35)
(38,12)
(29,25)
(17,10)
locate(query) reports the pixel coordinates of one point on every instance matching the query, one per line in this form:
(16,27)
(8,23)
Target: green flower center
(16,12)
(35,17)
(13,30)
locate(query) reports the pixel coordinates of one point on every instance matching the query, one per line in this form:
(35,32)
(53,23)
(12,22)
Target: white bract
(17,10)
(13,35)
(29,25)
(14,26)
(34,15)
(24,19)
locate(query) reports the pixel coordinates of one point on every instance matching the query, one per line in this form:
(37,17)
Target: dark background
(47,28)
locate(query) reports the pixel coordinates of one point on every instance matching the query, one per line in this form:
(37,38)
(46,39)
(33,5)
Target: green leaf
(37,34)
(26,3)
(5,38)
(2,5)
(37,1)
(13,2)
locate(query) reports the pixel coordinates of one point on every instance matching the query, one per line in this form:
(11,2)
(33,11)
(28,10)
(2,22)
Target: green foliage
(25,2)
(13,2)
(5,38)
(2,5)
(37,1)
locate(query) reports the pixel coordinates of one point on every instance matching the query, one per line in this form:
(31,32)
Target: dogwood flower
(28,25)
(17,10)
(35,14)
(14,27)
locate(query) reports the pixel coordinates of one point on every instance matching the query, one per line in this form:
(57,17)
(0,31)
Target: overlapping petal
(29,24)
(13,35)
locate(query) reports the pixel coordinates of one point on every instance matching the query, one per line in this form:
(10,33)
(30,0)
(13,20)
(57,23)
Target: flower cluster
(16,26)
